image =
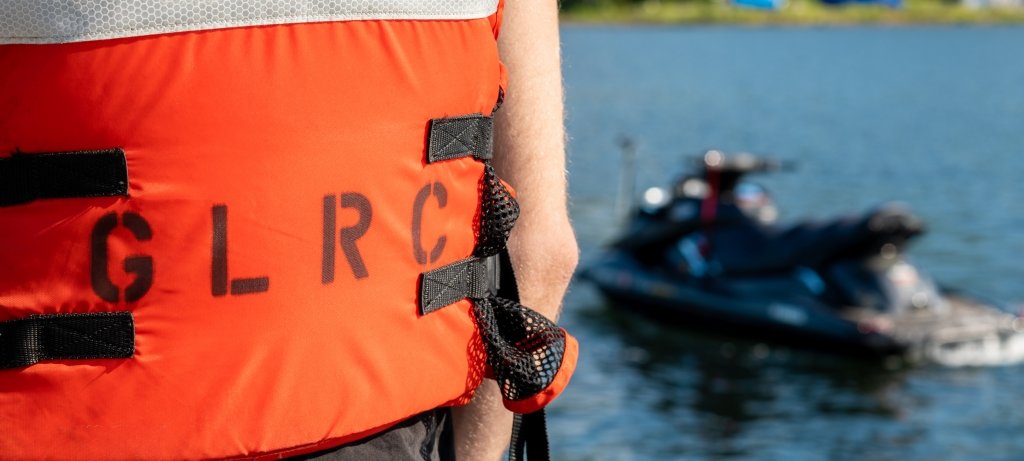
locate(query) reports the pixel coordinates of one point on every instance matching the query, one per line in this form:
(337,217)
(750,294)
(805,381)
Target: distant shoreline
(797,13)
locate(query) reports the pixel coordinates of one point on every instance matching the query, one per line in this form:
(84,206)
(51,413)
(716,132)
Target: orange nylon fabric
(260,129)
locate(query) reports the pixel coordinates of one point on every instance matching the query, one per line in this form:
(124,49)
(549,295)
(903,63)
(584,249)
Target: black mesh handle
(524,348)
(498,214)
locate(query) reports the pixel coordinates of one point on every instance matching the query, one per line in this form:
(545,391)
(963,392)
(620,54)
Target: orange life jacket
(251,235)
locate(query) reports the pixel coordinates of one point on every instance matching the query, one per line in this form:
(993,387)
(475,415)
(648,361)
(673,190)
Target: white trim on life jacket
(64,21)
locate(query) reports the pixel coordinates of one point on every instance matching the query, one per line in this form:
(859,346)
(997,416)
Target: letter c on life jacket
(141,266)
(441,194)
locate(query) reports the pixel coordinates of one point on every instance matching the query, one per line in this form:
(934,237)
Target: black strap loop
(28,177)
(463,136)
(103,335)
(470,278)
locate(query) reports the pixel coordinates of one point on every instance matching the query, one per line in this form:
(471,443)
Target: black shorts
(424,437)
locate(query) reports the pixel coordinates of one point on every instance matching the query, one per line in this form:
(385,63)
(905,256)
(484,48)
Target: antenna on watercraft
(627,182)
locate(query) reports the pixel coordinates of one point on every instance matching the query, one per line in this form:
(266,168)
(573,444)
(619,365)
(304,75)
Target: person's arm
(530,155)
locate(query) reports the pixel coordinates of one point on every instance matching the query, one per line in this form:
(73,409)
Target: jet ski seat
(757,249)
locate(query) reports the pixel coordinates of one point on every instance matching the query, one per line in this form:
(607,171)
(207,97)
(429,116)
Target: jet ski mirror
(655,198)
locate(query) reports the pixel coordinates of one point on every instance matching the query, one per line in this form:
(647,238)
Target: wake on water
(1002,347)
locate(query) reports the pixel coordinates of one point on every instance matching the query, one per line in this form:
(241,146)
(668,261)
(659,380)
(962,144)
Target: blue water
(930,116)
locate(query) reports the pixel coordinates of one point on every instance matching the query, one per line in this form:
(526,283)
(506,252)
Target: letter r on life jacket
(348,235)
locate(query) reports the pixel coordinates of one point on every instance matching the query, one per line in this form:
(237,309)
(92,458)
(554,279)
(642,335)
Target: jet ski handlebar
(723,172)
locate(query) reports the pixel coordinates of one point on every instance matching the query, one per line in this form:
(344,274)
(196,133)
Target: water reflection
(717,390)
(872,114)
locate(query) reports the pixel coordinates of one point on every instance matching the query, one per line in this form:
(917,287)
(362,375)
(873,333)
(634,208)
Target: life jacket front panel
(279,174)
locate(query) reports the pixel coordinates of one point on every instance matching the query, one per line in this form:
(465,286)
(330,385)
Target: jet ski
(708,252)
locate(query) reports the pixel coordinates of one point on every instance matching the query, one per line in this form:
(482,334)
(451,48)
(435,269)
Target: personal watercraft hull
(784,311)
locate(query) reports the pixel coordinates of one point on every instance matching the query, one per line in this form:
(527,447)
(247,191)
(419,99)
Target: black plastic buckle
(493,265)
(473,278)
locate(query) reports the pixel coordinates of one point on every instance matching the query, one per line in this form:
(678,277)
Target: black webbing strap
(28,177)
(529,438)
(469,278)
(529,431)
(463,136)
(104,335)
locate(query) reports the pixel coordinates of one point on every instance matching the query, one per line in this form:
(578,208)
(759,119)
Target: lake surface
(930,116)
